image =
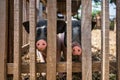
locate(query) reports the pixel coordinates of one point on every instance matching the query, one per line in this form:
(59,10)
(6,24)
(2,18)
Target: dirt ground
(96,43)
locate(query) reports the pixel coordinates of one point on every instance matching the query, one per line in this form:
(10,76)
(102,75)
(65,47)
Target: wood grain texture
(32,35)
(86,40)
(51,40)
(61,67)
(118,37)
(17,39)
(3,38)
(105,40)
(25,35)
(69,40)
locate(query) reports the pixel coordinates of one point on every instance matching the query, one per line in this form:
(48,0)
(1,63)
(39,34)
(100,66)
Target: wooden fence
(52,67)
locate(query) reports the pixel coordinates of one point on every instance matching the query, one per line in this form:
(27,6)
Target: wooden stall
(21,41)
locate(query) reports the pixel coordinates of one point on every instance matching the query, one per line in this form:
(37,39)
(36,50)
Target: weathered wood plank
(69,41)
(3,38)
(32,50)
(118,37)
(17,39)
(61,67)
(51,39)
(25,18)
(39,10)
(105,40)
(86,40)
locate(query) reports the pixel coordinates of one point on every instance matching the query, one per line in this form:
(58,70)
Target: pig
(41,36)
(76,40)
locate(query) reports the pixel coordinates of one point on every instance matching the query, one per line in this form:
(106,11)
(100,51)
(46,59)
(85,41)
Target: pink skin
(76,50)
(41,45)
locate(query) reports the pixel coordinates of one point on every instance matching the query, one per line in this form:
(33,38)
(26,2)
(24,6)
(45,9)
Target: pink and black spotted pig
(41,36)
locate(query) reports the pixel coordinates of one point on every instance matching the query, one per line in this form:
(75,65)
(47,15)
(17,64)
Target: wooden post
(118,38)
(39,10)
(105,40)
(51,39)
(17,39)
(3,38)
(86,40)
(32,49)
(27,10)
(69,41)
(25,15)
(115,25)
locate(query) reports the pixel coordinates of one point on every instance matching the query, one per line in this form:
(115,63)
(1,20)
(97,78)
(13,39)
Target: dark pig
(76,37)
(41,35)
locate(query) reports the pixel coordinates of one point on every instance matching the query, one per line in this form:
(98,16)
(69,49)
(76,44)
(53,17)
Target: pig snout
(41,45)
(76,50)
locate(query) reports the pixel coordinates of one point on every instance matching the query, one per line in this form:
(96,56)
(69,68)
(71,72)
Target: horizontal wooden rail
(61,67)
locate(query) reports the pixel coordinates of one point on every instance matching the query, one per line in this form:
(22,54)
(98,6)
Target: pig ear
(26,26)
(93,24)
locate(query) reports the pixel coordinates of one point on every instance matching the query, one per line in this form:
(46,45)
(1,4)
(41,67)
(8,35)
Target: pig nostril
(78,50)
(43,44)
(38,44)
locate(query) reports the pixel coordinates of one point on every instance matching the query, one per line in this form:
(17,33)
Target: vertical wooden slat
(3,38)
(105,40)
(69,41)
(24,10)
(27,10)
(10,30)
(37,6)
(32,50)
(17,38)
(25,18)
(86,40)
(51,39)
(24,35)
(39,10)
(118,38)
